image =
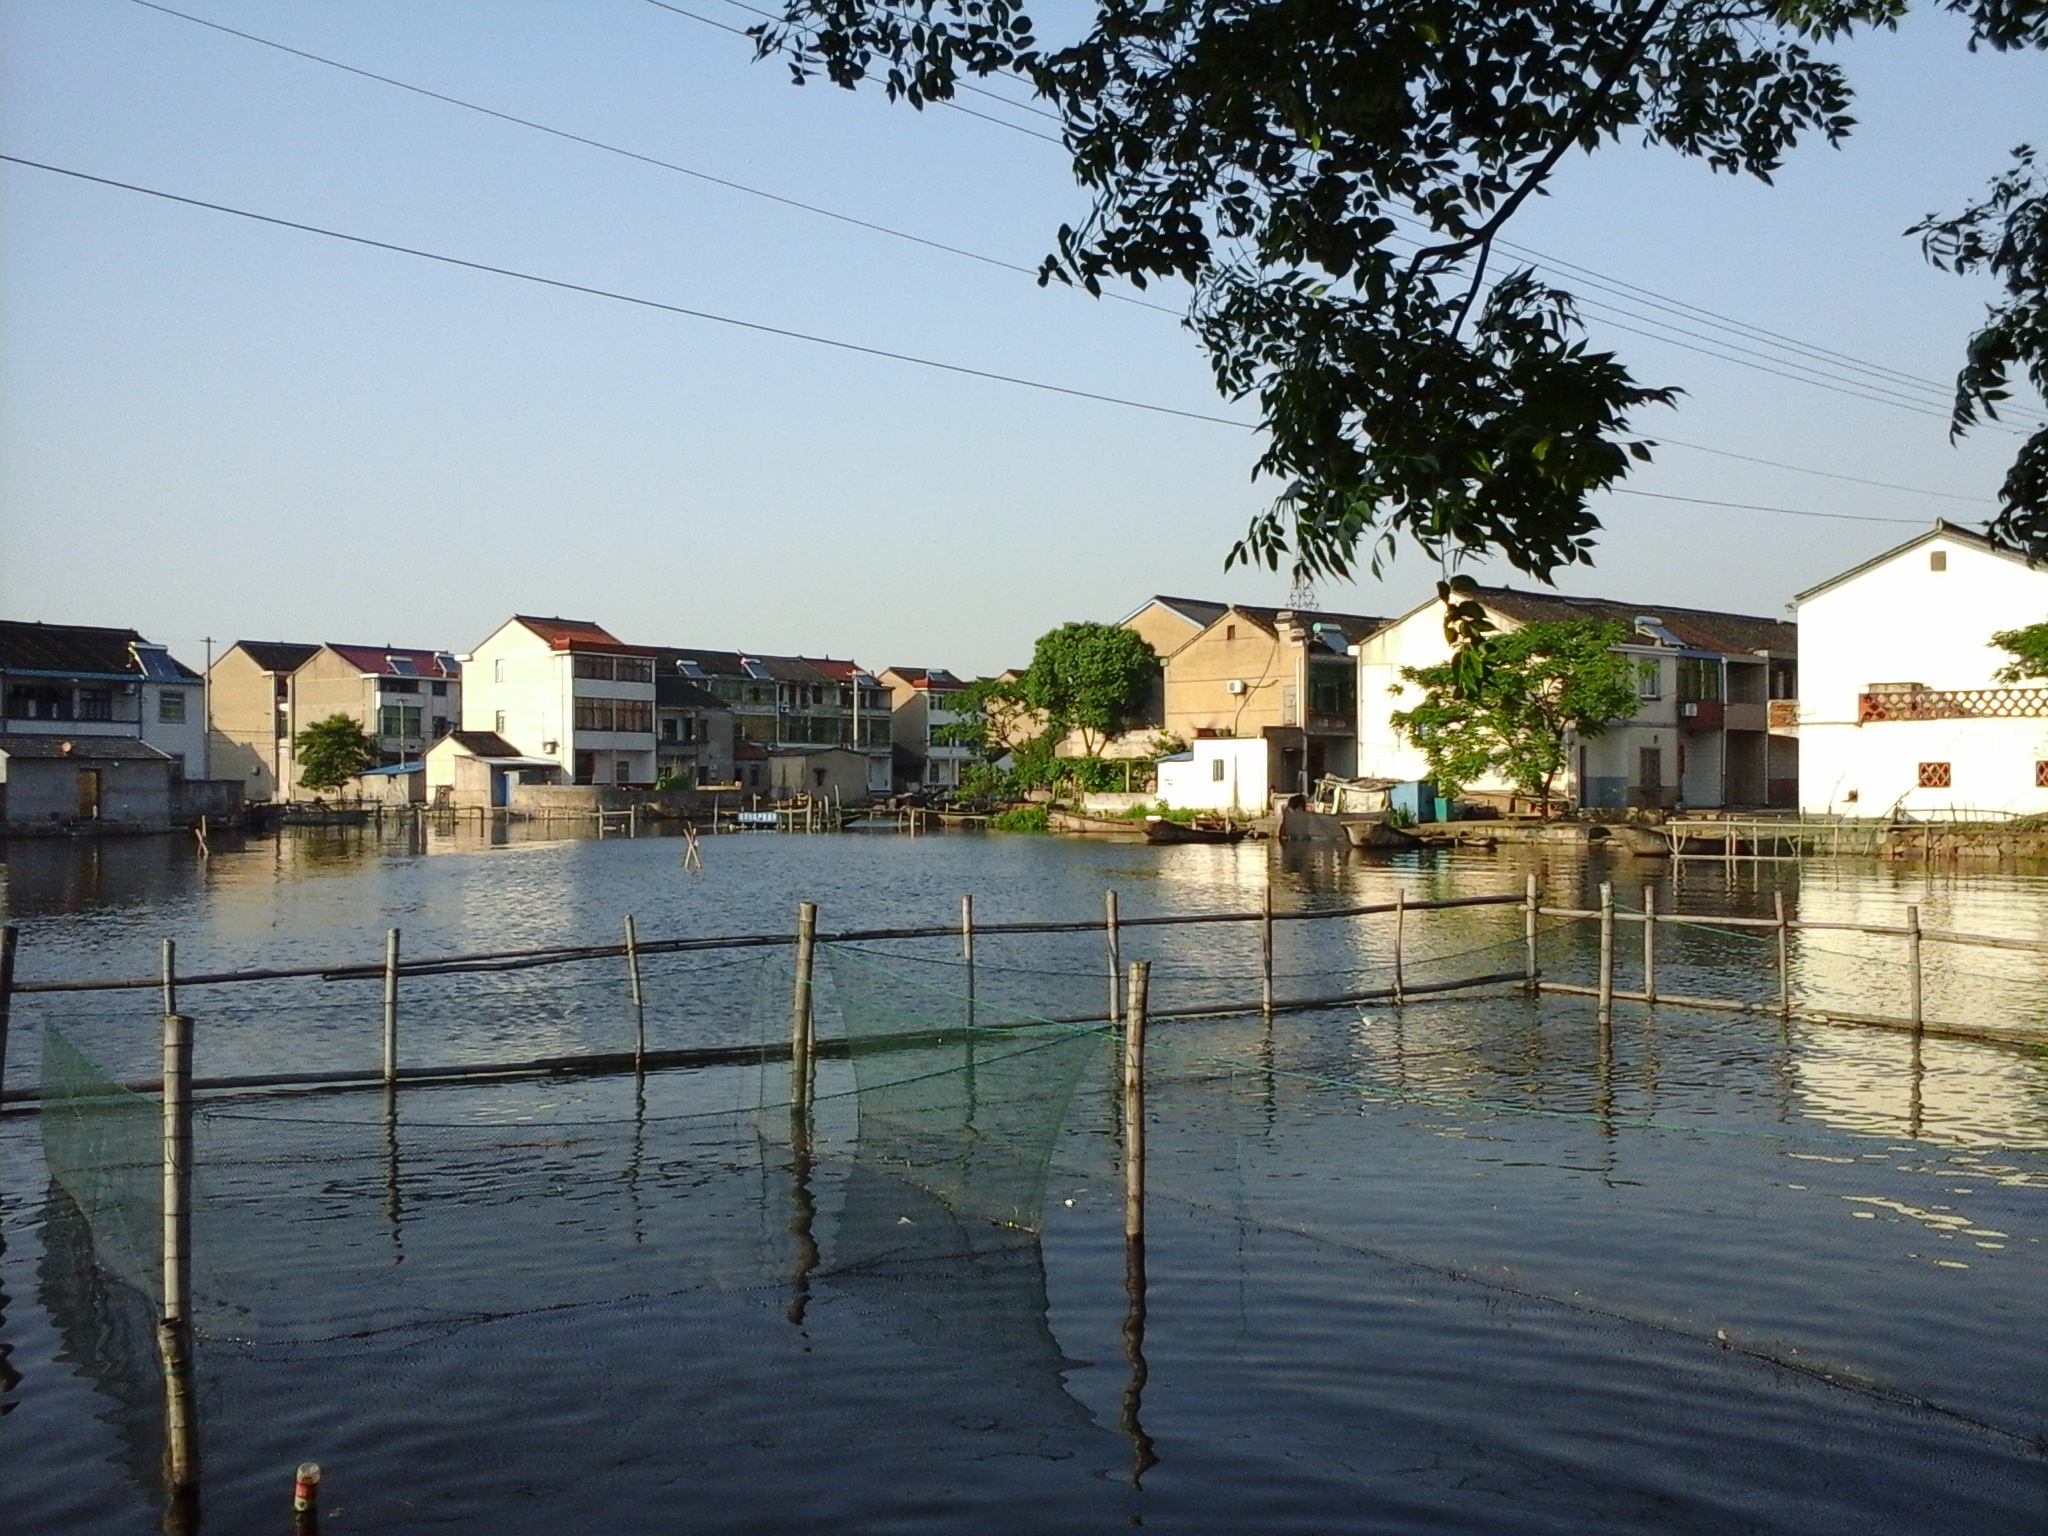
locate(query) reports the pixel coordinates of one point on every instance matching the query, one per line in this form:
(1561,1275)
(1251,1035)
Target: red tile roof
(579,635)
(377,659)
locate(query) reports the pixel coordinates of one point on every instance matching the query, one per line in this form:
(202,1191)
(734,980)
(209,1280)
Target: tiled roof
(1354,627)
(276,655)
(484,744)
(680,693)
(838,671)
(1198,611)
(578,635)
(76,648)
(1733,634)
(83,749)
(377,659)
(711,663)
(927,677)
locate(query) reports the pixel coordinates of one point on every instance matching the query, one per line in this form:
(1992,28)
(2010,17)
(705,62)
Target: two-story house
(693,726)
(101,727)
(1899,707)
(568,692)
(265,692)
(918,716)
(1703,733)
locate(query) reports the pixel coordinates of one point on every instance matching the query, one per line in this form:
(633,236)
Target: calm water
(1473,1265)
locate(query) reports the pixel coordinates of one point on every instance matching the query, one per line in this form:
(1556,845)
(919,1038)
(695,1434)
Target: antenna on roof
(1301,597)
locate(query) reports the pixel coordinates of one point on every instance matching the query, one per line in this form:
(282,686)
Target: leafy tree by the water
(1090,681)
(1334,177)
(2029,648)
(1538,687)
(333,751)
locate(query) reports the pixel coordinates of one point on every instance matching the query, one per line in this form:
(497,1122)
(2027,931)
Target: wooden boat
(1159,830)
(1373,832)
(1644,842)
(1080,824)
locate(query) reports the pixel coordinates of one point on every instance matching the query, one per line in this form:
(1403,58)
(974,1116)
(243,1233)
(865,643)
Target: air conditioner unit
(1689,711)
(1237,685)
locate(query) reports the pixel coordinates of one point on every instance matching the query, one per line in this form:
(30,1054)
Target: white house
(566,692)
(1704,732)
(1219,773)
(1898,708)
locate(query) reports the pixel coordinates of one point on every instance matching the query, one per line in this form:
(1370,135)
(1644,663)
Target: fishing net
(104,1148)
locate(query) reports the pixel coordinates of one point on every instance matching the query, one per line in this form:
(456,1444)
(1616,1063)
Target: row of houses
(1877,697)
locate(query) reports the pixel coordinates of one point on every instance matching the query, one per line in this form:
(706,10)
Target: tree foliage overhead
(2029,649)
(333,751)
(1333,176)
(1540,686)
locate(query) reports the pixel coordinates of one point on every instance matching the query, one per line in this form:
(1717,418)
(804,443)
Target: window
(1699,679)
(819,775)
(440,690)
(1216,770)
(95,703)
(689,725)
(599,668)
(2041,775)
(170,706)
(1937,560)
(498,722)
(400,685)
(1230,631)
(636,669)
(671,729)
(440,726)
(498,671)
(27,701)
(1332,691)
(1649,679)
(1935,776)
(615,715)
(401,721)
(1650,767)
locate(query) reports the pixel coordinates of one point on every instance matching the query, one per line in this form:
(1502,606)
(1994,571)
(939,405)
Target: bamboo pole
(1134,1103)
(181,1463)
(1606,949)
(1266,950)
(1913,997)
(1400,938)
(1784,956)
(802,1040)
(1650,944)
(639,996)
(391,1005)
(1534,977)
(1114,939)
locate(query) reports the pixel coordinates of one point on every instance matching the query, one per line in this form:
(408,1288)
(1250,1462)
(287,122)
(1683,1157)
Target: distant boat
(1159,830)
(1079,824)
(1373,832)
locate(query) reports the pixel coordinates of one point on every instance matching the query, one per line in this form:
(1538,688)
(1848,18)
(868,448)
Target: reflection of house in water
(1951,1092)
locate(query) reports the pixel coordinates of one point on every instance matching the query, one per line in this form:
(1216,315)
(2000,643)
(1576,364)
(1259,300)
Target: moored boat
(1160,830)
(1372,831)
(1080,824)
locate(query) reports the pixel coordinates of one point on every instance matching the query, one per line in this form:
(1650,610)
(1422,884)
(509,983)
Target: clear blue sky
(210,427)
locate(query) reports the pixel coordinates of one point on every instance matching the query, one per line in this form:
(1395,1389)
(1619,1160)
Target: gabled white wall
(516,672)
(1227,773)
(1902,622)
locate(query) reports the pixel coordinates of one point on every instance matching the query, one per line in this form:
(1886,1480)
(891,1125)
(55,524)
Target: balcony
(1701,714)
(1887,704)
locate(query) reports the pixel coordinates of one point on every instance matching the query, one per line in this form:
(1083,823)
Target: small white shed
(1219,773)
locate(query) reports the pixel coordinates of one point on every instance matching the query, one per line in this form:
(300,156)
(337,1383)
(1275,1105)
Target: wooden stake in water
(1913,1000)
(10,940)
(800,1035)
(1266,950)
(639,997)
(1400,938)
(1649,944)
(1606,949)
(1113,936)
(1134,1103)
(1784,957)
(391,1006)
(1532,977)
(174,1328)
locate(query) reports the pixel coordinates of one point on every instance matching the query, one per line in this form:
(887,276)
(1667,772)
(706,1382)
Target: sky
(216,428)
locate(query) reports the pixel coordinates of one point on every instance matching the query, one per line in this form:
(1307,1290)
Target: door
(89,787)
(501,786)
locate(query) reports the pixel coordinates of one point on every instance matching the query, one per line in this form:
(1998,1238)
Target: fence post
(10,940)
(1134,1103)
(967,954)
(173,1328)
(1114,938)
(800,1035)
(1784,956)
(639,997)
(1606,949)
(1649,944)
(1533,981)
(1266,950)
(390,1006)
(1400,936)
(1913,965)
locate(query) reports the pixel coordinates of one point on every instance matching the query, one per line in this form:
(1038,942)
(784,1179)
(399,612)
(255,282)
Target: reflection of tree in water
(109,1334)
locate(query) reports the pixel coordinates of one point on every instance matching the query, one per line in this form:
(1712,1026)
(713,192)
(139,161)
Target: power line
(937,245)
(628,298)
(1749,506)
(1800,469)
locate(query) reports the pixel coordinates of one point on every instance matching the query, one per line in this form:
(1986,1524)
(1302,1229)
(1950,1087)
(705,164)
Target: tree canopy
(2029,650)
(1333,178)
(1539,686)
(1089,680)
(333,751)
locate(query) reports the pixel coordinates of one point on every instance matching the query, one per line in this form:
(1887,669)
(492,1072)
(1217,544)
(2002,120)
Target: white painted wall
(1225,774)
(1903,622)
